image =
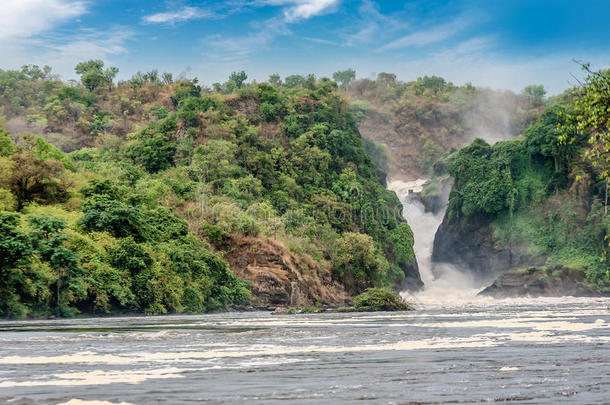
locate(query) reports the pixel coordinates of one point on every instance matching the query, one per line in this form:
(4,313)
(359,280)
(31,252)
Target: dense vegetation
(161,175)
(380,299)
(421,120)
(540,193)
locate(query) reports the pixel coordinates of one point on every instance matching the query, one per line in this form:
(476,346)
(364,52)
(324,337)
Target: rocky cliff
(280,277)
(472,246)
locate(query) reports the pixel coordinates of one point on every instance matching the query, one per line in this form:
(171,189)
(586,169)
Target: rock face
(279,277)
(472,246)
(554,281)
(412,281)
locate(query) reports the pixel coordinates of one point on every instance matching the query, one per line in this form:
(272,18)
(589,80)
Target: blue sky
(499,44)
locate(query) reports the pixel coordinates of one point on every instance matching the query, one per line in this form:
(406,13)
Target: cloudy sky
(495,43)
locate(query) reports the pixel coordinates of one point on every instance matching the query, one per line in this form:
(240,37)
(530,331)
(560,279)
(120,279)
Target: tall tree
(93,74)
(238,78)
(344,77)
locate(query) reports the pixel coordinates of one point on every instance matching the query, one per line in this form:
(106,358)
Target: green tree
(238,78)
(15,256)
(7,146)
(36,179)
(152,149)
(103,214)
(344,77)
(275,79)
(358,264)
(293,81)
(215,162)
(93,74)
(48,239)
(534,94)
(591,116)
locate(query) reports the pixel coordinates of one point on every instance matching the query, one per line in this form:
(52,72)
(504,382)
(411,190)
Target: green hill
(155,195)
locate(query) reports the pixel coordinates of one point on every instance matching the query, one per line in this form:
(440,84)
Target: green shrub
(380,299)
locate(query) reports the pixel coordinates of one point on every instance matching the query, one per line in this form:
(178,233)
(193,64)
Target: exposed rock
(281,278)
(556,281)
(471,245)
(280,311)
(434,195)
(412,281)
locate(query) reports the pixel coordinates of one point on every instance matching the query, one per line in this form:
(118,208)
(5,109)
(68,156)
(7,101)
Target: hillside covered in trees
(156,195)
(538,200)
(418,122)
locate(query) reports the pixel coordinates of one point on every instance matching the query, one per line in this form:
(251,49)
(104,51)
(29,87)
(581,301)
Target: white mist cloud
(27,18)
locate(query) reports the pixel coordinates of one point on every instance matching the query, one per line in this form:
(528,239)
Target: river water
(537,351)
(454,348)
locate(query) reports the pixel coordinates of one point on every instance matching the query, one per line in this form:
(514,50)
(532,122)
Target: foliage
(380,299)
(534,94)
(538,194)
(35,172)
(424,120)
(157,157)
(344,77)
(591,116)
(93,74)
(7,146)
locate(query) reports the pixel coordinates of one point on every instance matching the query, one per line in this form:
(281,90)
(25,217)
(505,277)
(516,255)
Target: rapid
(455,347)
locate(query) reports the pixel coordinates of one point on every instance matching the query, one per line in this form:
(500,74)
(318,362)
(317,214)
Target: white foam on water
(99,377)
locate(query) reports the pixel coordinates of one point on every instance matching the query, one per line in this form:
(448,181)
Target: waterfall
(443,282)
(424,224)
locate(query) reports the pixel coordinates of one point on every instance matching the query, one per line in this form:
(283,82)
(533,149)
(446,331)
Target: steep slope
(272,179)
(417,122)
(528,202)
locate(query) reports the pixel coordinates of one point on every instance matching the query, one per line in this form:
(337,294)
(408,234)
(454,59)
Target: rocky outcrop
(556,281)
(412,281)
(279,277)
(472,246)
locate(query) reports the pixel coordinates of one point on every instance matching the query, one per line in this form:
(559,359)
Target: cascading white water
(444,283)
(423,224)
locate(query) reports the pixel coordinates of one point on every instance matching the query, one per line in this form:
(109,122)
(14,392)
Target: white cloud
(474,61)
(320,41)
(431,35)
(27,18)
(237,50)
(66,53)
(184,14)
(302,10)
(293,10)
(63,52)
(369,24)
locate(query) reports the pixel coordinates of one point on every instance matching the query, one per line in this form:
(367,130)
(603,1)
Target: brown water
(535,351)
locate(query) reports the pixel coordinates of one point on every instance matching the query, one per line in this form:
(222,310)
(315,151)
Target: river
(454,348)
(528,350)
